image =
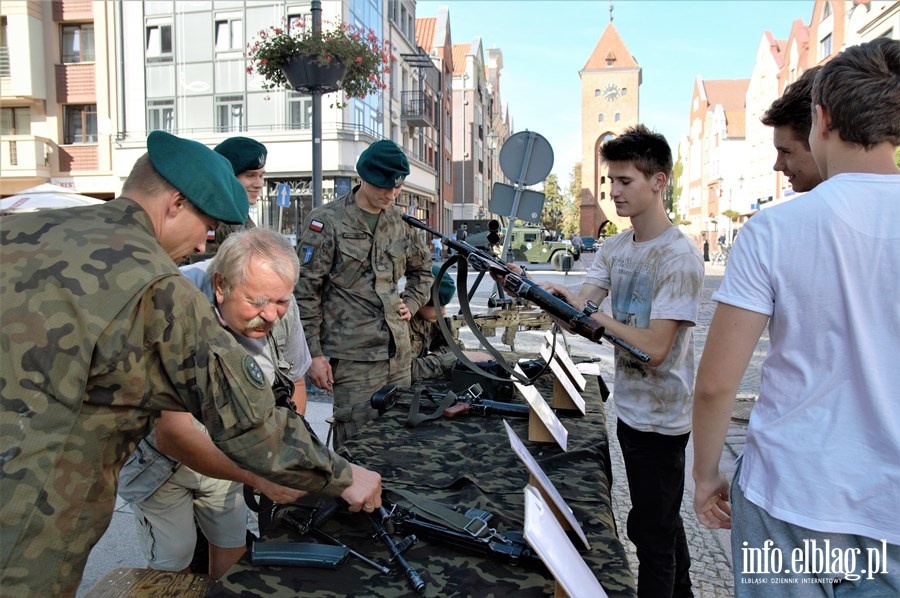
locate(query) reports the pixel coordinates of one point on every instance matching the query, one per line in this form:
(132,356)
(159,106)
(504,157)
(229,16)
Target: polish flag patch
(316,226)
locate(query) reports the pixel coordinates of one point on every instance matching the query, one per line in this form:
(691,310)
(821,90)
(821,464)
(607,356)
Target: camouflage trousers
(354,384)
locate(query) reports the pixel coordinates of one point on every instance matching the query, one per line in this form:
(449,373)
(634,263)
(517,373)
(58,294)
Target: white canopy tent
(45,197)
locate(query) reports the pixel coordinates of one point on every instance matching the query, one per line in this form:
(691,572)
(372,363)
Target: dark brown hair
(647,150)
(860,89)
(794,108)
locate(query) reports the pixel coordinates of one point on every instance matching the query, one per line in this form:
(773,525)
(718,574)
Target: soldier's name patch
(316,226)
(254,373)
(308,251)
(355,236)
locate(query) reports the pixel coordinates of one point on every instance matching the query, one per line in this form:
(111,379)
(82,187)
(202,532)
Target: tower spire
(610,11)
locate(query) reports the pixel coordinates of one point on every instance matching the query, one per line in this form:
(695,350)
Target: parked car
(589,244)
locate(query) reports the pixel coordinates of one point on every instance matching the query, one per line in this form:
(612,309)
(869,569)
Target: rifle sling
(415,418)
(429,509)
(461,278)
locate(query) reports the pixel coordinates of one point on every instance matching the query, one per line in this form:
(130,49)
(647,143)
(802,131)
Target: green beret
(447,288)
(243,153)
(201,175)
(383,164)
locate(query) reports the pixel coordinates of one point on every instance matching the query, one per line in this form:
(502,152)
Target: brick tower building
(610,90)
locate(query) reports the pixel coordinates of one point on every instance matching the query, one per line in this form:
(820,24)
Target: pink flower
(359,60)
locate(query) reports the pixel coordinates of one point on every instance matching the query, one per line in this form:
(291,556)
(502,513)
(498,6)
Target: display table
(463,461)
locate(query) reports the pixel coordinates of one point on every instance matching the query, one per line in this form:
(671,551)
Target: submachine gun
(404,513)
(579,322)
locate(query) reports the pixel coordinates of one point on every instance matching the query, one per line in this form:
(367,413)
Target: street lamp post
(316,10)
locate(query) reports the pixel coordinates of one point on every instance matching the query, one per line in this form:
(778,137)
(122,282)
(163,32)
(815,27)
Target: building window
(624,91)
(229,35)
(300,107)
(81,124)
(4,49)
(597,93)
(77,42)
(600,118)
(229,113)
(826,12)
(294,21)
(15,121)
(618,116)
(825,46)
(161,115)
(159,42)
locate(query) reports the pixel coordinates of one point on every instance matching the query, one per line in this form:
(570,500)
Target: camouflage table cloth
(463,461)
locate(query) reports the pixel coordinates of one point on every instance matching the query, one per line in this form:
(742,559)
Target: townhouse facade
(83,83)
(55,99)
(727,155)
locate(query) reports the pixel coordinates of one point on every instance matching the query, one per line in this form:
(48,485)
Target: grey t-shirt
(660,279)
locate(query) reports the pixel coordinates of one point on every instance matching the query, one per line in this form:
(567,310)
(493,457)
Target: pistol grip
(456,409)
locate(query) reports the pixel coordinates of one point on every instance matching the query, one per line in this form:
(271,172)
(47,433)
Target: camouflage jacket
(347,291)
(99,333)
(432,357)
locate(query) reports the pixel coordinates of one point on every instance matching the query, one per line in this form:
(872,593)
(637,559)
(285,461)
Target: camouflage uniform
(348,298)
(432,358)
(99,333)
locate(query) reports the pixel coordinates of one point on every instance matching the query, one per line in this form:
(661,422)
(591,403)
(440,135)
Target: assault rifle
(579,322)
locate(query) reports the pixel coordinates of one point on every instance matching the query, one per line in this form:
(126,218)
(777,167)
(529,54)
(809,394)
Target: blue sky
(546,42)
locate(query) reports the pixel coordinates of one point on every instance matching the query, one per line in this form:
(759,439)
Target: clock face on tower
(611,92)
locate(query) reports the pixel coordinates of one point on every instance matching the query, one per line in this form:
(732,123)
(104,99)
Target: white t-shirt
(823,444)
(660,279)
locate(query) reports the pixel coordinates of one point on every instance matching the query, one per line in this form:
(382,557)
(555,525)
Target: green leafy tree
(552,215)
(572,210)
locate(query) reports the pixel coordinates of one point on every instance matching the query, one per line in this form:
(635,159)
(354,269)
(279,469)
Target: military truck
(528,245)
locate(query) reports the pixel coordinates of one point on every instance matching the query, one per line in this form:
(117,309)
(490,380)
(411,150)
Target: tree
(553,204)
(572,211)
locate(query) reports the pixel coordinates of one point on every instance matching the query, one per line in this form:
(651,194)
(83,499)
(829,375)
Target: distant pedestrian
(438,248)
(577,242)
(819,466)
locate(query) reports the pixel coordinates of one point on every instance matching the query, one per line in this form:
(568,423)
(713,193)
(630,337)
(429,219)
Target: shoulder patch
(254,373)
(307,251)
(316,226)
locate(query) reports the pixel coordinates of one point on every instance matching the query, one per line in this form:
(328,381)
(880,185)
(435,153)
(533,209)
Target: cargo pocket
(144,472)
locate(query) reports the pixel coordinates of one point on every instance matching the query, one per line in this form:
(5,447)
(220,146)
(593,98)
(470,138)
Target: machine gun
(447,403)
(311,555)
(405,514)
(579,322)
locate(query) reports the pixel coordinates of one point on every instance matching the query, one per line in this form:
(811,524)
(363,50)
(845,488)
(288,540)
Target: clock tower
(610,82)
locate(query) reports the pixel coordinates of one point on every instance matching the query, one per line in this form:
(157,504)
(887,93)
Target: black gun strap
(415,418)
(461,278)
(429,509)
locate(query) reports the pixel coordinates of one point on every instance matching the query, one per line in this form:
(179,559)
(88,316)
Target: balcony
(25,156)
(76,83)
(417,109)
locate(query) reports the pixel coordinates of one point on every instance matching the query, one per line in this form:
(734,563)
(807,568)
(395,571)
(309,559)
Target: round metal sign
(526,158)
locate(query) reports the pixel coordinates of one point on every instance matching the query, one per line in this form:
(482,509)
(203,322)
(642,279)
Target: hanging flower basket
(364,59)
(307,76)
